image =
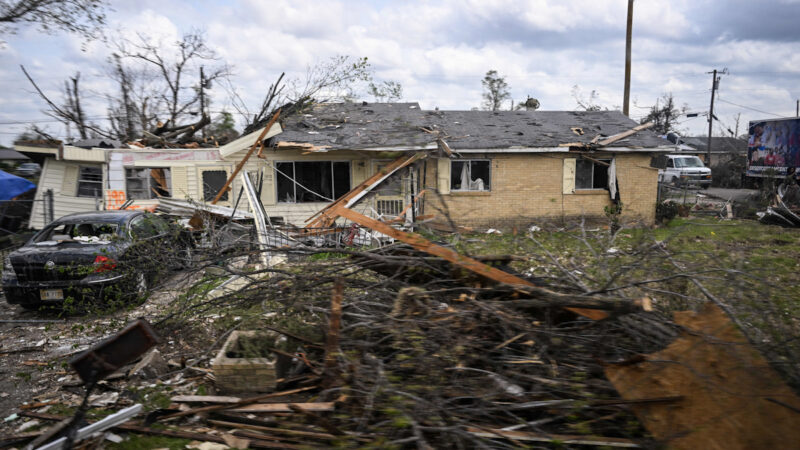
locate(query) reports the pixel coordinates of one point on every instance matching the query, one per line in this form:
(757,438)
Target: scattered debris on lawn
(364,332)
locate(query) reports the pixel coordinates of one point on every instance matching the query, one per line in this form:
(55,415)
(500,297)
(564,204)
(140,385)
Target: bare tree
(70,112)
(152,80)
(122,110)
(83,17)
(585,103)
(495,91)
(177,96)
(331,80)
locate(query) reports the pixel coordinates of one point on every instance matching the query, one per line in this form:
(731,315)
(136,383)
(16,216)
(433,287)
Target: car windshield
(83,232)
(689,161)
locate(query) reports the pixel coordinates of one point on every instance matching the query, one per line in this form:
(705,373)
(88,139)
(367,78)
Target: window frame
(148,178)
(469,173)
(209,198)
(594,166)
(278,175)
(154,225)
(80,181)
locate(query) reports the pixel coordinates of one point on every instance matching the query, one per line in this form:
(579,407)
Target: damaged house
(482,168)
(391,161)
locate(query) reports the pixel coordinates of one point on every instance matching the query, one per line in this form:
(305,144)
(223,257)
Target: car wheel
(674,181)
(706,186)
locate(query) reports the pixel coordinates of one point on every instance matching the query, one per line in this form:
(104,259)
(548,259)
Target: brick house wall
(527,187)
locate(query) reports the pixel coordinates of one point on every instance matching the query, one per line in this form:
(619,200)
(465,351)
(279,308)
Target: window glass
(89,232)
(470,175)
(312,181)
(147,183)
(285,185)
(213,181)
(341,178)
(584,171)
(690,161)
(591,175)
(160,225)
(142,228)
(90,182)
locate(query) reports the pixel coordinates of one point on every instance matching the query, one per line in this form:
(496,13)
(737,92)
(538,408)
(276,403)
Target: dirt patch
(36,345)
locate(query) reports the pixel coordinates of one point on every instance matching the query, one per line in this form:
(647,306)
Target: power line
(751,108)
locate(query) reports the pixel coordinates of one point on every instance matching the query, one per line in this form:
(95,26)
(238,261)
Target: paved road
(710,195)
(737,195)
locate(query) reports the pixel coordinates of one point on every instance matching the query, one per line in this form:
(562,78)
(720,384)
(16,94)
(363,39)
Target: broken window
(90,182)
(592,175)
(312,181)
(470,175)
(213,182)
(146,183)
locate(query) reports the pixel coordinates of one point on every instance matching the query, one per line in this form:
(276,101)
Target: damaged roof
(718,144)
(536,129)
(360,126)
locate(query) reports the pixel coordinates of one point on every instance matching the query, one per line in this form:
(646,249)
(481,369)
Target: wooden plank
(560,438)
(282,407)
(287,431)
(466,262)
(200,436)
(444,146)
(257,144)
(204,399)
(625,134)
(308,147)
(244,402)
(326,220)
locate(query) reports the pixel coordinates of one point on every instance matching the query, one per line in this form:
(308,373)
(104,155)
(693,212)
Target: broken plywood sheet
(733,399)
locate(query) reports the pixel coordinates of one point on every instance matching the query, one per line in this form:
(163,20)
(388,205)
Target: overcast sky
(440,50)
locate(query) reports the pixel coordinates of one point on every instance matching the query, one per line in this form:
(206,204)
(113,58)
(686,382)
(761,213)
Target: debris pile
(416,344)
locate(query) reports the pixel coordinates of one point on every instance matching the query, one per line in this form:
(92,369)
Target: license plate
(51,294)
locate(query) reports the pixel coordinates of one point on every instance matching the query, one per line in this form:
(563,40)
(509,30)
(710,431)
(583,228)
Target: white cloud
(439,51)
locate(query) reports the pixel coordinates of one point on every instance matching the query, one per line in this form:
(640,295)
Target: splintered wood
(327,216)
(466,262)
(732,398)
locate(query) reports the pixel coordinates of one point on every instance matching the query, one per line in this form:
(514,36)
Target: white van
(680,170)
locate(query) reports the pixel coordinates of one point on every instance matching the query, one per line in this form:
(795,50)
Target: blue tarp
(12,186)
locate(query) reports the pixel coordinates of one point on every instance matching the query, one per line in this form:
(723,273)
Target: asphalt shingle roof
(383,125)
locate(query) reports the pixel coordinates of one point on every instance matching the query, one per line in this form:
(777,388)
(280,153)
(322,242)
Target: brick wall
(527,187)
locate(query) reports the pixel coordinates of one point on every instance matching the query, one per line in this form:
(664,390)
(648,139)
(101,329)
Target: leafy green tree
(385,91)
(223,128)
(495,91)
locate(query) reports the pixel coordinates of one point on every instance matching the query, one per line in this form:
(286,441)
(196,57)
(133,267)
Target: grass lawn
(753,268)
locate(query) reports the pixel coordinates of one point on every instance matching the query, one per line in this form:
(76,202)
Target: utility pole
(202,100)
(626,98)
(797,109)
(714,85)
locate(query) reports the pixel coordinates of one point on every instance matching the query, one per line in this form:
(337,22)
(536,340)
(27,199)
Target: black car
(94,257)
